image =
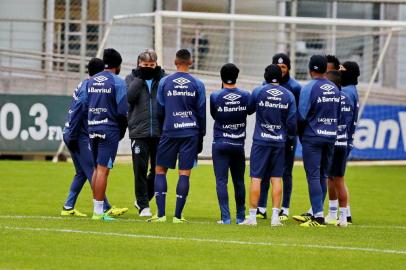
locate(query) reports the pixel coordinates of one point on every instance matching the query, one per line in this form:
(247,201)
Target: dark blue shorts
(339,162)
(104,145)
(182,149)
(267,161)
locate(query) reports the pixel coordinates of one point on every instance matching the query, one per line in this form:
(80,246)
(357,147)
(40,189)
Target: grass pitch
(33,236)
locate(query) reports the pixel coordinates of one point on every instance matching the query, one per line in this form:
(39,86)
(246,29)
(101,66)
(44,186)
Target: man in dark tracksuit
(288,82)
(319,113)
(144,126)
(228,107)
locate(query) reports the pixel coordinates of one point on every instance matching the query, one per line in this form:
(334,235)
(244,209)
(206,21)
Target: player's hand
(200,145)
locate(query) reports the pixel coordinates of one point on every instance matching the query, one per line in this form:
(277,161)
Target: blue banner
(380,134)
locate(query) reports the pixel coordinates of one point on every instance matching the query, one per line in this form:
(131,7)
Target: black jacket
(143,120)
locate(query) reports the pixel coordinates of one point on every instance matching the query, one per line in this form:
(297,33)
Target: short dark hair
(334,60)
(112,58)
(95,66)
(183,56)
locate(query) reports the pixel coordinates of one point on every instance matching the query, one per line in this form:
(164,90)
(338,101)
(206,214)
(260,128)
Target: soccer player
(228,107)
(288,82)
(275,121)
(107,120)
(319,111)
(332,63)
(144,126)
(183,102)
(76,138)
(339,162)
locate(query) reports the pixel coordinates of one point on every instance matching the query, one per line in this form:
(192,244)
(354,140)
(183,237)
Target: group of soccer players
(322,115)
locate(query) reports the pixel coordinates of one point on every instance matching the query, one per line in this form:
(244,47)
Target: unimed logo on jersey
(100,79)
(274,92)
(232,97)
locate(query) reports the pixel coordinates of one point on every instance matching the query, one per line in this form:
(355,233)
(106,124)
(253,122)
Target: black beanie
(350,75)
(229,73)
(111,58)
(273,74)
(95,66)
(318,63)
(281,58)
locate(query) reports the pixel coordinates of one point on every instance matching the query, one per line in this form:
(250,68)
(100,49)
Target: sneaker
(115,211)
(330,220)
(314,222)
(283,216)
(72,213)
(261,215)
(349,220)
(303,217)
(146,212)
(248,222)
(157,219)
(103,217)
(176,220)
(276,223)
(342,223)
(224,221)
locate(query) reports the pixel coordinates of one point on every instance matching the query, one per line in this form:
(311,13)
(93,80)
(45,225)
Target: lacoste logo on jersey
(232,97)
(100,79)
(327,87)
(274,92)
(181,81)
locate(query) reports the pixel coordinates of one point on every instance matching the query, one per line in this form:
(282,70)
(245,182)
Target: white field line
(208,240)
(384,227)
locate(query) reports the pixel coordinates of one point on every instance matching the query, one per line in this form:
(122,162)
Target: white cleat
(276,223)
(146,212)
(342,223)
(248,222)
(330,220)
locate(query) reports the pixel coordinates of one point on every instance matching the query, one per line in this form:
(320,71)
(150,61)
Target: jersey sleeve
(213,103)
(76,111)
(252,100)
(352,128)
(292,115)
(121,97)
(305,101)
(201,107)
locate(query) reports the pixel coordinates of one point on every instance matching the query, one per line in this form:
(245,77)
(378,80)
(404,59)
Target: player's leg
(290,150)
(166,158)
(340,165)
(221,162)
(312,155)
(333,200)
(188,150)
(140,156)
(263,197)
(153,147)
(237,169)
(276,169)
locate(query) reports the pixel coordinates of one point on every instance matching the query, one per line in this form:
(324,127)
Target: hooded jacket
(143,117)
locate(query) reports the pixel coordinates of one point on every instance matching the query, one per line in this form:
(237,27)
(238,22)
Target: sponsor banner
(380,134)
(32,123)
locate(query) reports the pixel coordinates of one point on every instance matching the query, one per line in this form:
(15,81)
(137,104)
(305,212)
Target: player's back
(319,107)
(275,112)
(106,101)
(293,86)
(346,119)
(182,97)
(229,110)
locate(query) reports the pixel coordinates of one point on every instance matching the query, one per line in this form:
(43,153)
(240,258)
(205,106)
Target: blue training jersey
(293,86)
(351,91)
(76,119)
(107,102)
(319,110)
(275,114)
(229,109)
(183,101)
(346,122)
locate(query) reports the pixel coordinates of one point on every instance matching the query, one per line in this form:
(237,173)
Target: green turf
(32,193)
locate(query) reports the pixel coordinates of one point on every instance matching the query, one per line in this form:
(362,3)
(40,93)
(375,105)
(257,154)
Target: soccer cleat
(156,219)
(72,213)
(342,223)
(239,220)
(176,220)
(303,217)
(276,223)
(283,216)
(248,222)
(227,221)
(349,220)
(261,215)
(315,222)
(146,212)
(331,220)
(103,217)
(115,211)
